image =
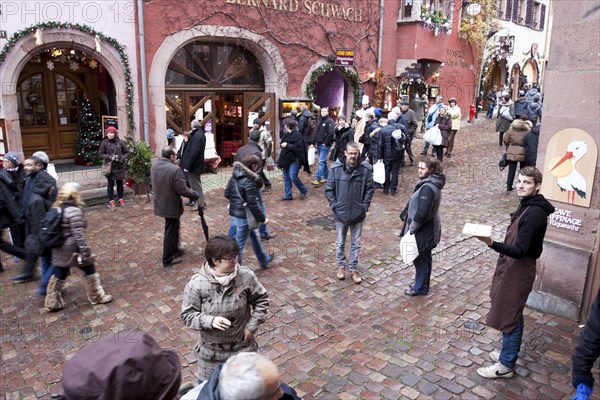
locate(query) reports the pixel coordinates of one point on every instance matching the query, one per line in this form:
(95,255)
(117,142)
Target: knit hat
(43,157)
(13,157)
(111,129)
(256,121)
(170,133)
(125,366)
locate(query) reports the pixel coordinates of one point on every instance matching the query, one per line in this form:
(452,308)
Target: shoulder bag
(106,167)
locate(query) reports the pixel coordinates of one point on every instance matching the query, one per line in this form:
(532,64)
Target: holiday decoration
(350,75)
(89,135)
(38,37)
(434,20)
(379,88)
(74,66)
(50,65)
(93,64)
(86,29)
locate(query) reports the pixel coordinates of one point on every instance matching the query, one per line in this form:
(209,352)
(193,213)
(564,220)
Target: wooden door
(49,103)
(181,108)
(264,105)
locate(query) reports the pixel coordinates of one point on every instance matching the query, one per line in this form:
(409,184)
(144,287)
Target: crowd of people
(346,152)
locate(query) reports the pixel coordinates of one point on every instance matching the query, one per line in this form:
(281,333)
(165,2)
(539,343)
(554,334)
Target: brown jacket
(513,139)
(169,185)
(73,229)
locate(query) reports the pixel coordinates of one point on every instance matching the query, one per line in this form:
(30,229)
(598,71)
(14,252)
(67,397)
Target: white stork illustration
(568,178)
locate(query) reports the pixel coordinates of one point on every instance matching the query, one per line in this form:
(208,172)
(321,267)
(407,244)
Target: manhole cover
(471,325)
(325,222)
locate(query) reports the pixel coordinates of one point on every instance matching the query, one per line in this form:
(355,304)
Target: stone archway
(267,54)
(350,98)
(20,55)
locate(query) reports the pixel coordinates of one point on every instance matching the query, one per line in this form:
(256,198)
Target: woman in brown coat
(515,150)
(113,150)
(75,251)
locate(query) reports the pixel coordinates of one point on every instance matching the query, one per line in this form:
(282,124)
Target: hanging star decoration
(50,65)
(74,66)
(93,64)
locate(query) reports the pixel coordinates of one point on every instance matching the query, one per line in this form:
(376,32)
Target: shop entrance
(50,91)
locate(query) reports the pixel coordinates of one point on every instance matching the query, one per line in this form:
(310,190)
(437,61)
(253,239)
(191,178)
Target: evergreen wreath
(86,29)
(350,75)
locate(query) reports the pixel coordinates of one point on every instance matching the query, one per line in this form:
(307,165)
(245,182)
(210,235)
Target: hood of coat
(532,92)
(539,201)
(521,125)
(44,184)
(240,171)
(438,180)
(535,106)
(536,130)
(307,114)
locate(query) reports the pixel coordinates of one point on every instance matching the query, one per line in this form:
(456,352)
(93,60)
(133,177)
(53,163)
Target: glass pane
(71,85)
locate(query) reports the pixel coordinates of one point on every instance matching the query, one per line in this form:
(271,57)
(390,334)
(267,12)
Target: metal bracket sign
(344,57)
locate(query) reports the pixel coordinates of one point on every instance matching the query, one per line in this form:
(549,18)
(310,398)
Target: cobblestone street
(331,339)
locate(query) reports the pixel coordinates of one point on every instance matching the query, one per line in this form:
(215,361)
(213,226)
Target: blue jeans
(46,264)
(490,111)
(340,244)
(262,228)
(290,175)
(322,153)
(242,233)
(511,344)
(422,272)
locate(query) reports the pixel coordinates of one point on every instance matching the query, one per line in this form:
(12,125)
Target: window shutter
(542,17)
(515,10)
(508,12)
(529,13)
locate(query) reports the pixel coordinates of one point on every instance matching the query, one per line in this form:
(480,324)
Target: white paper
(251,117)
(477,230)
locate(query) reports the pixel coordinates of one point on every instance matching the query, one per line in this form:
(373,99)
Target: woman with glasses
(422,218)
(226,303)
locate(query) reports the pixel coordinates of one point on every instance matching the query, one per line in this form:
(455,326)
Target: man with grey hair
(245,376)
(193,161)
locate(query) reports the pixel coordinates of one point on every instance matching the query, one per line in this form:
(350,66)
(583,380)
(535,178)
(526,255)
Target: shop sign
(2,34)
(316,8)
(344,57)
(412,74)
(507,44)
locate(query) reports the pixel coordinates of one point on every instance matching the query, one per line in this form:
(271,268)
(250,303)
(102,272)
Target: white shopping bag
(311,155)
(408,248)
(433,136)
(379,172)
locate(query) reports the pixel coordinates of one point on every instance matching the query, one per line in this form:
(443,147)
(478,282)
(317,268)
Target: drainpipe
(379,48)
(144,83)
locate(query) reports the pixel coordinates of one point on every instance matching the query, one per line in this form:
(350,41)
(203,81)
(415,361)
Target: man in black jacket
(349,190)
(324,139)
(10,215)
(586,353)
(515,271)
(169,186)
(39,189)
(193,161)
(304,125)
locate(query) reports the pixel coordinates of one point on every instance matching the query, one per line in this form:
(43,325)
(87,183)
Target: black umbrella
(204,225)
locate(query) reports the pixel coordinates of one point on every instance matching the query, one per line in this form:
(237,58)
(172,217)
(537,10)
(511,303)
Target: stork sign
(569,167)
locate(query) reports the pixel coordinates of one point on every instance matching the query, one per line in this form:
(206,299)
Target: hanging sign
(344,57)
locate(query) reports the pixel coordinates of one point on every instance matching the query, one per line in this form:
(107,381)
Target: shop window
(68,100)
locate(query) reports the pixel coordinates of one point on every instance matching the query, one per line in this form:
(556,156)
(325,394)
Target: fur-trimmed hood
(521,125)
(240,170)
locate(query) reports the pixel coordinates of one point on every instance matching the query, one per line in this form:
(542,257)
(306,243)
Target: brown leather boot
(95,292)
(54,300)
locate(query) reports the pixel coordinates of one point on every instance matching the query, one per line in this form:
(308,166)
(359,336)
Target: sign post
(344,57)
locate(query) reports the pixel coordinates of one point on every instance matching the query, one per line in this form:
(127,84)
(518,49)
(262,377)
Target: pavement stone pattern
(331,339)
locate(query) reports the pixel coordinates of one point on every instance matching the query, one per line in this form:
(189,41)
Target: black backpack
(51,235)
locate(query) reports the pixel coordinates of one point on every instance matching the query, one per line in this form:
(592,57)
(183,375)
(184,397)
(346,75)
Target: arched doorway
(331,90)
(50,91)
(495,74)
(220,82)
(530,70)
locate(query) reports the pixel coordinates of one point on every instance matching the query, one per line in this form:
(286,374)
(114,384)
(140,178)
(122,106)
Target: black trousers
(392,169)
(263,176)
(171,240)
(512,169)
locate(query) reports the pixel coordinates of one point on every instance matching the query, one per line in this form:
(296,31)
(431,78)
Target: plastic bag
(379,172)
(408,248)
(433,136)
(311,154)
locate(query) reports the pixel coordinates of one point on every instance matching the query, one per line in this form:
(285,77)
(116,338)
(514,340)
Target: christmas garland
(83,28)
(350,75)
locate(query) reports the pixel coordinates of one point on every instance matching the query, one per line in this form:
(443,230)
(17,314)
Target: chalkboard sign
(109,120)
